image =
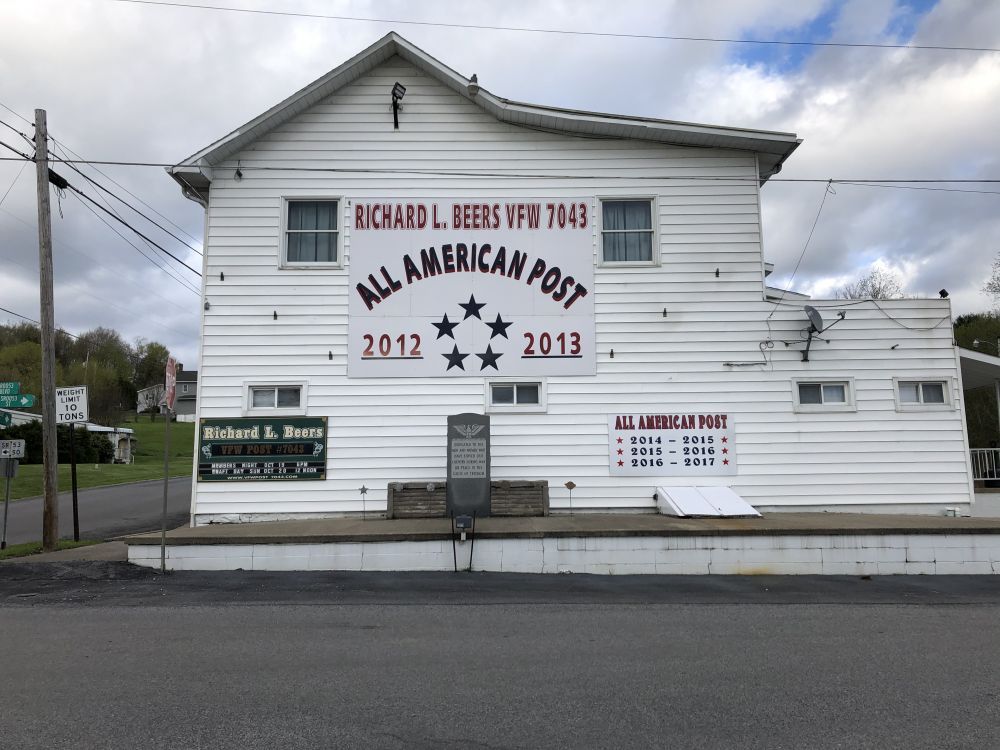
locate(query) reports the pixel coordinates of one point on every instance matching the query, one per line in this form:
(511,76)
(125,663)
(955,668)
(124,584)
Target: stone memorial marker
(469,464)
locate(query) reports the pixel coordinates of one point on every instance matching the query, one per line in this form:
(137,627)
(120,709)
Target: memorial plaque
(469,464)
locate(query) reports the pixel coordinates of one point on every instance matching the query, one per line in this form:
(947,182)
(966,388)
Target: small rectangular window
(824,395)
(274,397)
(312,232)
(509,396)
(922,393)
(627,231)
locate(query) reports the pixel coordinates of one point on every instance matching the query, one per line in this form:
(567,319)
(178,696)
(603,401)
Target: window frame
(283,262)
(850,404)
(948,386)
(540,407)
(249,410)
(599,222)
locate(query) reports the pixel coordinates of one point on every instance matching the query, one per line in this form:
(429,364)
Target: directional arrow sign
(22,401)
(9,388)
(5,419)
(11,449)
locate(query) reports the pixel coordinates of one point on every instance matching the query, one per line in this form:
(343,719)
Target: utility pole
(50,454)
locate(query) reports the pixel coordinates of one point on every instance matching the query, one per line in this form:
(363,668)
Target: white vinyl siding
(386,430)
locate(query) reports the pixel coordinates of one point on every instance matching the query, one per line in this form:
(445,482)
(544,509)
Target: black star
(499,327)
(445,328)
(472,307)
(490,358)
(455,359)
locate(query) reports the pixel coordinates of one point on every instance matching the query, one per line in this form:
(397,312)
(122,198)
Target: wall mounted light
(398,92)
(473,87)
(208,305)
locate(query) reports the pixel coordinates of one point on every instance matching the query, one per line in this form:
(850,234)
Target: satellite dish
(815,319)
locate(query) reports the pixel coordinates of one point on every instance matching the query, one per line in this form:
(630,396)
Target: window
(184,388)
(627,231)
(504,395)
(311,233)
(824,395)
(274,398)
(922,394)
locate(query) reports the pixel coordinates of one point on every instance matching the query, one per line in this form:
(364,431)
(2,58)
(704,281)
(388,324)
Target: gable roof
(194,173)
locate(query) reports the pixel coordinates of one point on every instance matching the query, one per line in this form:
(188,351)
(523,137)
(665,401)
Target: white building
(322,260)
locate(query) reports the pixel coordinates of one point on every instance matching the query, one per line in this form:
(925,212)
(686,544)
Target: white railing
(985,463)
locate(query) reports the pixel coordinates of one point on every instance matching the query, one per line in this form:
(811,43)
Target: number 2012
(386,345)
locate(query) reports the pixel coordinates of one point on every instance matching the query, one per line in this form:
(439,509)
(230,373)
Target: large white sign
(71,405)
(671,443)
(471,287)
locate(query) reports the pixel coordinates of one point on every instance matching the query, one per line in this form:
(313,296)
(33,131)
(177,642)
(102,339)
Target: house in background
(184,405)
(187,390)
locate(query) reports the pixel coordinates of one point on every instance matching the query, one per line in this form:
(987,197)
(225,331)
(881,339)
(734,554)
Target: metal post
(166,482)
(50,456)
(6,505)
(72,471)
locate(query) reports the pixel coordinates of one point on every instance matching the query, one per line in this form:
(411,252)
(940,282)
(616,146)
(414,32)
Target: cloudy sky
(123,81)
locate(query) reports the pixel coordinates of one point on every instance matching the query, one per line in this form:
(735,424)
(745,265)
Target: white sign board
(471,287)
(11,449)
(671,443)
(71,405)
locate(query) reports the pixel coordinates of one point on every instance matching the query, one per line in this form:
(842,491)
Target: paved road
(104,511)
(211,660)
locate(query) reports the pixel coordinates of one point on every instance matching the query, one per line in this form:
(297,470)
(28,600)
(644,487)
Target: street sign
(11,449)
(71,404)
(15,401)
(170,383)
(9,388)
(5,419)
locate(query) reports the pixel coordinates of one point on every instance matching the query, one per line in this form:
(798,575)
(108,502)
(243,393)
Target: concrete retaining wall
(863,554)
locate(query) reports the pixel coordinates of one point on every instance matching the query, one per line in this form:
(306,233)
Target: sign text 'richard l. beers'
(290,448)
(472,287)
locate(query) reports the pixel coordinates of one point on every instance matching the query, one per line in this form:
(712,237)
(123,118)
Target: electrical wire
(568,32)
(826,193)
(152,259)
(738,179)
(32,320)
(13,182)
(133,229)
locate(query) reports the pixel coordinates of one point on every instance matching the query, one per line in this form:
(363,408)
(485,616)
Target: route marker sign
(71,404)
(9,388)
(11,449)
(15,401)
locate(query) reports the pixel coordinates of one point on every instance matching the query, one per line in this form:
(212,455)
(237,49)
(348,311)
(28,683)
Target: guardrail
(985,463)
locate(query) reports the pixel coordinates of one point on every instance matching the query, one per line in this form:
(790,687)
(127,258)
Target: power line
(32,320)
(13,182)
(525,175)
(565,32)
(826,193)
(129,205)
(139,250)
(129,226)
(152,259)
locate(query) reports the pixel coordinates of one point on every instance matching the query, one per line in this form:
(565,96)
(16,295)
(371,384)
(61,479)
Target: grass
(148,464)
(34,548)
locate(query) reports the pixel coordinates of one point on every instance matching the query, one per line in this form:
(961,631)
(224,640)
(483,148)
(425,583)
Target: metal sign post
(72,407)
(10,452)
(169,395)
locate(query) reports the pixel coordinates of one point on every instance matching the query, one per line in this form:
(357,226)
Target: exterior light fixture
(398,92)
(473,86)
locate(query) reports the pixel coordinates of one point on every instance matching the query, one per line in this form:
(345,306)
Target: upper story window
(627,234)
(312,233)
(922,394)
(824,395)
